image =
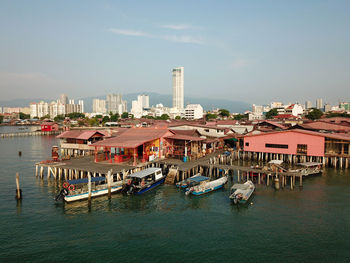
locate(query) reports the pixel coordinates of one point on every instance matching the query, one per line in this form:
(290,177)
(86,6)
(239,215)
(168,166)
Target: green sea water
(311,224)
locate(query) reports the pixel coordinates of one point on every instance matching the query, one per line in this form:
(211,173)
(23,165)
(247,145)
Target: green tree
(45,117)
(81,122)
(314,114)
(1,118)
(271,113)
(106,119)
(99,116)
(75,115)
(59,118)
(239,117)
(24,116)
(224,113)
(115,117)
(164,117)
(210,116)
(177,118)
(125,115)
(93,122)
(337,114)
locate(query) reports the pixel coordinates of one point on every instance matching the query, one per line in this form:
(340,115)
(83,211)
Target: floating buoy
(19,153)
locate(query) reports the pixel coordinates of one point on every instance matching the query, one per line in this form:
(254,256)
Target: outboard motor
(62,194)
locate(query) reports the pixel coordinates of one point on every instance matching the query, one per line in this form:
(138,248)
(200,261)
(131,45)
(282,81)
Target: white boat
(240,193)
(75,190)
(206,186)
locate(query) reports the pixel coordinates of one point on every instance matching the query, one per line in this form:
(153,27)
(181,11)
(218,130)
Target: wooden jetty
(34,133)
(213,165)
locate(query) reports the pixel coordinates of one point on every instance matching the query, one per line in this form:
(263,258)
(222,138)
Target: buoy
(277,183)
(19,153)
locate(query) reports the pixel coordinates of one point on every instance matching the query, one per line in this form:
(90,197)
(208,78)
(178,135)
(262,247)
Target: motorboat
(240,193)
(204,186)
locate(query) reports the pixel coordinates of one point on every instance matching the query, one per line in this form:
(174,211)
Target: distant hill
(155,98)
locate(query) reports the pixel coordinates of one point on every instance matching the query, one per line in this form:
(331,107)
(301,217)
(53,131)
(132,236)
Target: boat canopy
(144,173)
(240,186)
(279,162)
(309,164)
(198,179)
(86,180)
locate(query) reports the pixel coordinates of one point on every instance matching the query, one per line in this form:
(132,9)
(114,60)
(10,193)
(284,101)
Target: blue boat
(141,182)
(187,182)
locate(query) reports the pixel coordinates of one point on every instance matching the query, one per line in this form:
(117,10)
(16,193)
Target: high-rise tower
(178,88)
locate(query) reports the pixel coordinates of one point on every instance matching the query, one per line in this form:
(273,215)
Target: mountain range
(154,98)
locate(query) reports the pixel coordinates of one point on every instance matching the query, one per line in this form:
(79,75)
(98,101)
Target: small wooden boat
(240,193)
(185,183)
(143,181)
(310,168)
(76,190)
(204,186)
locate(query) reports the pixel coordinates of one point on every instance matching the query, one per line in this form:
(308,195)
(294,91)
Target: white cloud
(184,39)
(173,38)
(176,27)
(127,32)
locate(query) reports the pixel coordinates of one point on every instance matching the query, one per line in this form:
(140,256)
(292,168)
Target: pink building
(299,142)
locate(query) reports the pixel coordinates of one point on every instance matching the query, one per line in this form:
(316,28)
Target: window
(206,130)
(302,148)
(280,146)
(247,144)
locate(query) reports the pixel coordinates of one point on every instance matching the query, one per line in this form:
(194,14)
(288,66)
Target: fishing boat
(204,186)
(309,168)
(75,190)
(185,183)
(240,193)
(143,181)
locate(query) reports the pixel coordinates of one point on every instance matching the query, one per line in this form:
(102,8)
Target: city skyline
(254,52)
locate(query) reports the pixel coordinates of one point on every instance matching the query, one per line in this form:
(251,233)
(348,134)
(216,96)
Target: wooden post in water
(36,170)
(18,189)
(238,176)
(109,184)
(89,187)
(268,179)
(258,178)
(300,180)
(291,183)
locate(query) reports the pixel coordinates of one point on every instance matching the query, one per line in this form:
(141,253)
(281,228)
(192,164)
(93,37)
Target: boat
(76,190)
(185,183)
(240,193)
(204,185)
(309,168)
(143,181)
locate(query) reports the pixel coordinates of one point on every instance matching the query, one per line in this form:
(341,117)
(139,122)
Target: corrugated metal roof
(185,137)
(133,137)
(79,134)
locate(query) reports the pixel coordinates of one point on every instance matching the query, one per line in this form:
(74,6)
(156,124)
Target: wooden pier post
(291,183)
(109,184)
(300,180)
(258,178)
(268,179)
(89,187)
(41,172)
(36,170)
(238,176)
(18,189)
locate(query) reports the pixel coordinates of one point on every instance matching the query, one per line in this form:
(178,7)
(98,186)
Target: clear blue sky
(254,51)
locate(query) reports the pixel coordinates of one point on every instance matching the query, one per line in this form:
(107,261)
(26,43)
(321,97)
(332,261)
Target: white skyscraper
(99,106)
(178,88)
(116,104)
(319,104)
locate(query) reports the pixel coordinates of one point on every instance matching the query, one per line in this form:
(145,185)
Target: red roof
(284,116)
(194,133)
(185,137)
(78,134)
(273,124)
(133,137)
(326,126)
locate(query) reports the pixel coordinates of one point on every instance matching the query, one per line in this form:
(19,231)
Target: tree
(125,115)
(239,117)
(224,113)
(59,118)
(314,114)
(177,118)
(210,116)
(271,113)
(24,116)
(47,116)
(75,115)
(115,117)
(99,116)
(105,119)
(164,117)
(1,118)
(93,122)
(81,122)
(338,114)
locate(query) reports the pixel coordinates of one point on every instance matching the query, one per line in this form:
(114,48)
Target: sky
(252,51)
